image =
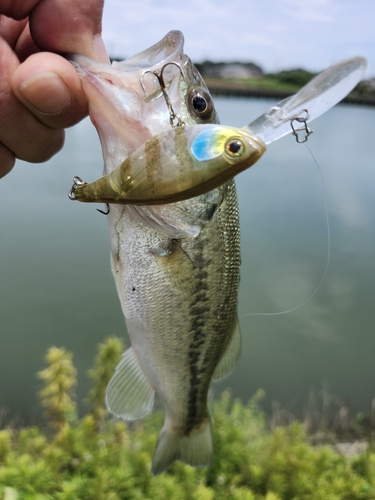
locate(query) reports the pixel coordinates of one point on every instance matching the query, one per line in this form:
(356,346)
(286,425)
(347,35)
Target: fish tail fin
(194,449)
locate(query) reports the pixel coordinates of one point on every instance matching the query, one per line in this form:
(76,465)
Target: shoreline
(230,89)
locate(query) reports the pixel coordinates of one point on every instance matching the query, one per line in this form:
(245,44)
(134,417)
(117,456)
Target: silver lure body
(176,266)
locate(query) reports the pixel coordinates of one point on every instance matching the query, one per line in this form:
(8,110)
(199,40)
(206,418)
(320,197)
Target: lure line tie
(77,182)
(304,128)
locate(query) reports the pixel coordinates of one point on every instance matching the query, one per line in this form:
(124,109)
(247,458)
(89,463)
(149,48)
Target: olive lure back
(177,164)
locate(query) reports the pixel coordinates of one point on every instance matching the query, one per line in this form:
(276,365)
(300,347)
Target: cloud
(321,11)
(277,35)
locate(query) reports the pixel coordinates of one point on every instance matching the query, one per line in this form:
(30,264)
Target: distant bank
(233,89)
(235,79)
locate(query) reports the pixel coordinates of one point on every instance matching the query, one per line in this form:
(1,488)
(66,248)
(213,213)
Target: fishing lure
(187,161)
(175,165)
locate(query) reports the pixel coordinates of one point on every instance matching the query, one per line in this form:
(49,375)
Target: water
(56,286)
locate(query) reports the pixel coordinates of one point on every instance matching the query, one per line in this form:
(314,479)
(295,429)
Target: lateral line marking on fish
(198,338)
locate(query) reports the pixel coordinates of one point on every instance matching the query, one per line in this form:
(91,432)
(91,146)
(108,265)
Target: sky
(275,34)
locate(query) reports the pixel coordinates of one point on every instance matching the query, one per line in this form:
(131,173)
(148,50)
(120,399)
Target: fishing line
(328,250)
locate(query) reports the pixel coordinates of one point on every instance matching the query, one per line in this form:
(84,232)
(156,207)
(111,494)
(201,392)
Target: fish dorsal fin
(230,356)
(129,393)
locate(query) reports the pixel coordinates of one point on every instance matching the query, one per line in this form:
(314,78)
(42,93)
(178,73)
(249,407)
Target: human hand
(40,91)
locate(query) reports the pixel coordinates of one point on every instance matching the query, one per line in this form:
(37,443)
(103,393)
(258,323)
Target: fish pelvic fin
(194,449)
(129,393)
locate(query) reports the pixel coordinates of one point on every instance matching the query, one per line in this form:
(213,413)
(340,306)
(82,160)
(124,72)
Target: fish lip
(170,49)
(171,45)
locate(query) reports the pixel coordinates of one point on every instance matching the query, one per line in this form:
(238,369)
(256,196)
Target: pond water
(56,286)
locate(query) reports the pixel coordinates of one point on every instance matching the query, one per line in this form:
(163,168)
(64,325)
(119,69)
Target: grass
(266,83)
(98,458)
(280,84)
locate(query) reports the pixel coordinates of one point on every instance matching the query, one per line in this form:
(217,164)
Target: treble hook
(305,128)
(102,211)
(159,75)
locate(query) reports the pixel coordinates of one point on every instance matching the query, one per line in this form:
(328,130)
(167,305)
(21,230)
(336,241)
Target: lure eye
(200,104)
(234,148)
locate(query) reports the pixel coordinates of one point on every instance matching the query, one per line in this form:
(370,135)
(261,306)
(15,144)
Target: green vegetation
(271,85)
(269,82)
(97,459)
(298,77)
(233,82)
(295,79)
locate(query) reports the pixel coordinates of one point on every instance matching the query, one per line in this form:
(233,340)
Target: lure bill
(175,165)
(314,99)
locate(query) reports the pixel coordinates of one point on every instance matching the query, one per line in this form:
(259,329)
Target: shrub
(84,460)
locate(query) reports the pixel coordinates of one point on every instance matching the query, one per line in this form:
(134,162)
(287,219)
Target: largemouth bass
(176,266)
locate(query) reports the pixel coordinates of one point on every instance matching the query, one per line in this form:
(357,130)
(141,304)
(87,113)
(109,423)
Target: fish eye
(234,147)
(200,103)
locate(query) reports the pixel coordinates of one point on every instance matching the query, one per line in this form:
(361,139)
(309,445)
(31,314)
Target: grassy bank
(100,458)
(273,87)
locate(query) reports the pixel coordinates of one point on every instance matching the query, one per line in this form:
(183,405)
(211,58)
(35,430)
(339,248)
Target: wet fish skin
(180,309)
(176,266)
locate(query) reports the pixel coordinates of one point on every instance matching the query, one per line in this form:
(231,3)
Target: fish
(176,266)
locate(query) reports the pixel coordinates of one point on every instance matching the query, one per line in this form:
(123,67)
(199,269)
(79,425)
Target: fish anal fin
(194,449)
(129,393)
(229,359)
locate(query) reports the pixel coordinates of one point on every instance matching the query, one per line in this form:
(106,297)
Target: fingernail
(100,50)
(46,92)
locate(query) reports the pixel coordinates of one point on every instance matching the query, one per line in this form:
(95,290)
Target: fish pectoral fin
(177,266)
(228,361)
(163,222)
(129,393)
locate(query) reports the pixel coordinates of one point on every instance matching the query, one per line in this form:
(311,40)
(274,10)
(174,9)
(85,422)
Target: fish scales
(176,266)
(209,341)
(192,325)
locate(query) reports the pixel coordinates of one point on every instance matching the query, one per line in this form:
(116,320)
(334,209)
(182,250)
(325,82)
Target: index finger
(62,26)
(68,26)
